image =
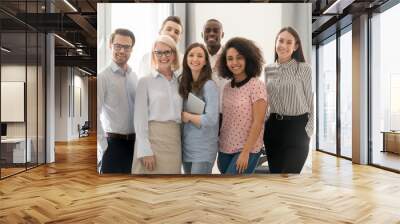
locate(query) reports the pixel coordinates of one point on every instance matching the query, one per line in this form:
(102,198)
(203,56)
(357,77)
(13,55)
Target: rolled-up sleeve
(141,119)
(211,96)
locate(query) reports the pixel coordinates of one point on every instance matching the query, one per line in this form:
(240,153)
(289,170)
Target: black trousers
(287,144)
(118,156)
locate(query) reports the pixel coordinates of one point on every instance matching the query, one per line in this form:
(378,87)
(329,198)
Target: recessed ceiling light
(70,5)
(5,50)
(64,40)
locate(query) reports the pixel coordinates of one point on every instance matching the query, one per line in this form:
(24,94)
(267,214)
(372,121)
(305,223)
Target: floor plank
(71,191)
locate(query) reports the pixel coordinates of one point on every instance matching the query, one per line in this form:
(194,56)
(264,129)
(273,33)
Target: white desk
(17,145)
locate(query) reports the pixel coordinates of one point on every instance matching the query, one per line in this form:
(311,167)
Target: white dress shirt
(157,99)
(215,76)
(115,103)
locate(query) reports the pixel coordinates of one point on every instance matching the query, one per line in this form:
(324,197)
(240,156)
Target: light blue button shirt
(115,103)
(157,99)
(201,144)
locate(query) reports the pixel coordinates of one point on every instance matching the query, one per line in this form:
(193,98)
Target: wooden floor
(70,191)
(386,159)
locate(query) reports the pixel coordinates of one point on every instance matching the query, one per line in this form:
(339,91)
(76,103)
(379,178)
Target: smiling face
(172,29)
(121,49)
(285,46)
(212,33)
(164,55)
(236,63)
(196,59)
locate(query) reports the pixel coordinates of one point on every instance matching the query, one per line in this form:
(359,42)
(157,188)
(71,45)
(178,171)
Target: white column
(50,99)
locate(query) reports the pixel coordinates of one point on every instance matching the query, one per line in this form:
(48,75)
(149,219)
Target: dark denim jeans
(227,162)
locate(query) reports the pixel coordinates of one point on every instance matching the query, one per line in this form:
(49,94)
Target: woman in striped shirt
(291,108)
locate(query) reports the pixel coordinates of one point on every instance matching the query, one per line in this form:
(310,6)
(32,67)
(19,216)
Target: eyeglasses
(159,54)
(118,47)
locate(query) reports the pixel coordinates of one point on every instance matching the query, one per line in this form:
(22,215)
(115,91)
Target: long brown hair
(187,84)
(298,53)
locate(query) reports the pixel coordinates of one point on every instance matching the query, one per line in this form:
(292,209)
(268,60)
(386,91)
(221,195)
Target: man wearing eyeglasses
(171,26)
(116,87)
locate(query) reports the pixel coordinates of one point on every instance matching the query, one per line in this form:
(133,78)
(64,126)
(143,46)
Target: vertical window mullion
(338,98)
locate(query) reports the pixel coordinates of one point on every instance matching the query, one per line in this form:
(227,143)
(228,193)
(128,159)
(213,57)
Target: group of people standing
(146,128)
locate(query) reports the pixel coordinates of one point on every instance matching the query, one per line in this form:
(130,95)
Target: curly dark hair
(186,83)
(251,53)
(298,53)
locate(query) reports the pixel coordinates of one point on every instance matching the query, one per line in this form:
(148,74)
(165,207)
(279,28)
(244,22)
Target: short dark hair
(174,19)
(187,84)
(298,53)
(123,32)
(251,53)
(213,20)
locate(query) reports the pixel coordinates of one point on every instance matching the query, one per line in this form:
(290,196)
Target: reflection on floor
(71,191)
(11,169)
(386,159)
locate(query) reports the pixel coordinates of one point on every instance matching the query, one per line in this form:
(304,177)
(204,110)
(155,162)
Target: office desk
(13,150)
(391,141)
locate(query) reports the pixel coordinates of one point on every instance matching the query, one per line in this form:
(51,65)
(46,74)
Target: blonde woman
(158,107)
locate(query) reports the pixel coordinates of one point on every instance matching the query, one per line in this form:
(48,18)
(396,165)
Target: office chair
(84,130)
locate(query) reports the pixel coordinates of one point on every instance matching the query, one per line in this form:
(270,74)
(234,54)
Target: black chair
(84,130)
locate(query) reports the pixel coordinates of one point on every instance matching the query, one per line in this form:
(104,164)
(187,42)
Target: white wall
(68,81)
(143,19)
(259,22)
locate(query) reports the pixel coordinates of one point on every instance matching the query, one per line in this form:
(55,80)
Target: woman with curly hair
(200,131)
(244,106)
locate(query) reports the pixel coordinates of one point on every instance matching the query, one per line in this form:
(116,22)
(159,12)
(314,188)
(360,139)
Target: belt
(281,117)
(119,136)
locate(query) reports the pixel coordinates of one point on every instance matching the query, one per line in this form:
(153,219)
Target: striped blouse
(289,90)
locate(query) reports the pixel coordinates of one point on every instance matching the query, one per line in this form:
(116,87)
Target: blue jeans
(197,167)
(227,162)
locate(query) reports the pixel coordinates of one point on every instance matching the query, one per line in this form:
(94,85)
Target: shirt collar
(287,64)
(241,83)
(157,74)
(116,69)
(219,52)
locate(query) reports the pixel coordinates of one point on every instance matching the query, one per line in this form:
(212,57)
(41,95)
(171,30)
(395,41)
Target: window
(327,97)
(346,94)
(385,85)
